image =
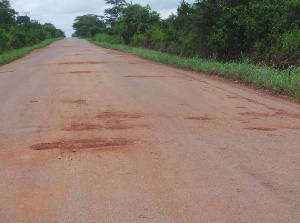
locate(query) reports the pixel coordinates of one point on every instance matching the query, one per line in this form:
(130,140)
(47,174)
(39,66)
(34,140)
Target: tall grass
(17,54)
(285,82)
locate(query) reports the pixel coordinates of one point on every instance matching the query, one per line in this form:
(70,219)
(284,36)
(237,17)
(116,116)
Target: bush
(107,38)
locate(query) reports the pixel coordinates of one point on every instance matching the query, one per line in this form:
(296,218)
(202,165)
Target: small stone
(74,150)
(59,157)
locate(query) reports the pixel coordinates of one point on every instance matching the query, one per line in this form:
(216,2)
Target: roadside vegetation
(8,57)
(20,31)
(286,82)
(252,41)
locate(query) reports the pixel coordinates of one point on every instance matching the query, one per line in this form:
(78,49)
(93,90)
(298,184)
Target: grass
(10,56)
(259,76)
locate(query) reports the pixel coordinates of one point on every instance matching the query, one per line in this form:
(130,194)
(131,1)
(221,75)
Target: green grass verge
(258,76)
(10,56)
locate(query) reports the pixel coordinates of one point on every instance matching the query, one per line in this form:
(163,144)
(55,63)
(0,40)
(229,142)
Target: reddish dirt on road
(85,138)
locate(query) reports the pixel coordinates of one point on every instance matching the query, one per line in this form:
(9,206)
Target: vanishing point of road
(95,135)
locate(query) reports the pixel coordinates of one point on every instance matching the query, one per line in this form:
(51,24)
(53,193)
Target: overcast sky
(63,12)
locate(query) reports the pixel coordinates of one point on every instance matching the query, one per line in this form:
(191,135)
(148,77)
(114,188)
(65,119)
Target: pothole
(204,118)
(261,128)
(83,144)
(118,115)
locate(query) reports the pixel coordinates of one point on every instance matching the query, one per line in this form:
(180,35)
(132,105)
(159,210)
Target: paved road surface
(95,135)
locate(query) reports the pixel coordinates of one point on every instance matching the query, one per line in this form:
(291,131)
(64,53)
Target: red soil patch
(118,115)
(204,118)
(261,128)
(81,72)
(287,114)
(83,144)
(79,102)
(257,114)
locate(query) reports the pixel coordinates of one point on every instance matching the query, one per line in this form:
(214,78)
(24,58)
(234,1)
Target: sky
(63,12)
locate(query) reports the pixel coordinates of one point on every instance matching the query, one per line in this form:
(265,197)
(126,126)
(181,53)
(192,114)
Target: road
(96,135)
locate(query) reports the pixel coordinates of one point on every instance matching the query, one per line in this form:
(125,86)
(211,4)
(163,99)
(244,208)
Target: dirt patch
(9,71)
(118,115)
(78,63)
(257,114)
(234,97)
(261,128)
(109,125)
(79,102)
(81,72)
(82,127)
(276,114)
(83,144)
(287,114)
(204,118)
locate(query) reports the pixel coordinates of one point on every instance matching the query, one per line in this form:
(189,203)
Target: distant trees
(135,20)
(20,31)
(227,30)
(88,25)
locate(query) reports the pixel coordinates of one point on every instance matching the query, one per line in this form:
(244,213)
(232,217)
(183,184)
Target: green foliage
(18,32)
(16,54)
(103,37)
(112,14)
(88,25)
(260,32)
(7,14)
(259,76)
(135,19)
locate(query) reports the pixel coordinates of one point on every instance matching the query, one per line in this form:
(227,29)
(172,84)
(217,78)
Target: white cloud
(63,12)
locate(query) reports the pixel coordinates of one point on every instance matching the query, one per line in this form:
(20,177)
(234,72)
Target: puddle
(20,131)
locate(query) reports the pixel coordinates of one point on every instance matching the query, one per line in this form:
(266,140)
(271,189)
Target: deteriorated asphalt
(96,135)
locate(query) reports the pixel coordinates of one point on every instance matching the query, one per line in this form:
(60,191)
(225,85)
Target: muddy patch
(203,118)
(261,128)
(118,115)
(99,143)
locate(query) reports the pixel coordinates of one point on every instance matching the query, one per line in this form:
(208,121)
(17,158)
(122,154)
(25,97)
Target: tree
(136,19)
(7,14)
(113,13)
(88,25)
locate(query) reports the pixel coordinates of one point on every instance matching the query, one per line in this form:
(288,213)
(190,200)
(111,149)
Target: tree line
(259,31)
(17,31)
